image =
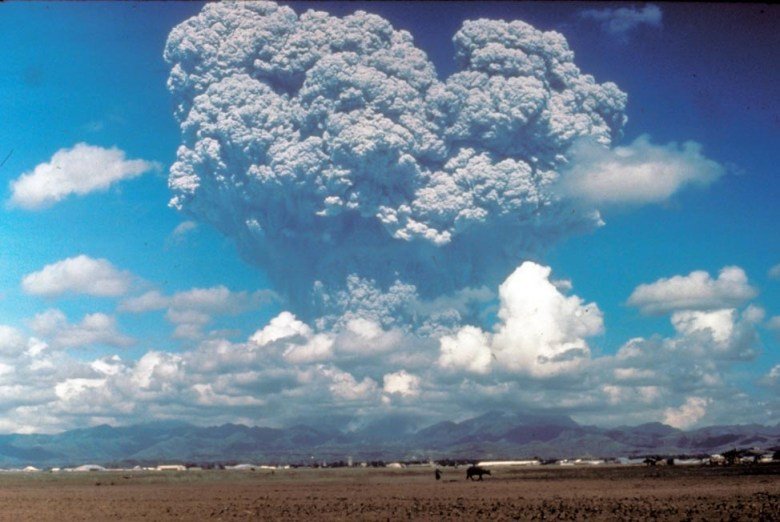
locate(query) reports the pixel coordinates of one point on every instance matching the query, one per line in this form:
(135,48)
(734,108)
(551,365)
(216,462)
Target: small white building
(688,462)
(494,463)
(242,467)
(89,467)
(717,458)
(589,462)
(171,467)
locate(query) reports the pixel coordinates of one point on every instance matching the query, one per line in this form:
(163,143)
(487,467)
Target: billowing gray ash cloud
(327,146)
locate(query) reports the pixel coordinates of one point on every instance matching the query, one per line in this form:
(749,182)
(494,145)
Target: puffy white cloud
(110,365)
(720,333)
(719,323)
(356,338)
(78,275)
(711,339)
(468,349)
(70,389)
(541,332)
(774,323)
(754,314)
(667,377)
(318,348)
(696,291)
(343,385)
(401,383)
(78,170)
(620,21)
(93,329)
(282,326)
(12,341)
(157,370)
(193,309)
(330,156)
(687,414)
(637,173)
(774,272)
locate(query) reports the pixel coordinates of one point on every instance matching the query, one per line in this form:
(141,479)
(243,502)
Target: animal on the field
(476,471)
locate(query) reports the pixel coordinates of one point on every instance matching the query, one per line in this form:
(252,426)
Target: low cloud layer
(79,170)
(539,352)
(363,366)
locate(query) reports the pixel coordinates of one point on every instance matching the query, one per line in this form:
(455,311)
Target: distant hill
(494,435)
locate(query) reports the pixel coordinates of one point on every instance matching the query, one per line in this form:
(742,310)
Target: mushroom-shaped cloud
(327,147)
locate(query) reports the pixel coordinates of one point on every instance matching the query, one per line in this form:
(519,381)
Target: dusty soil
(549,492)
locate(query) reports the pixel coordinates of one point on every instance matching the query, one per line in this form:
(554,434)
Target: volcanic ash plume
(327,147)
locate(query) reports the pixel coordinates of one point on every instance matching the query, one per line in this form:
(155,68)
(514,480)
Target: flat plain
(748,492)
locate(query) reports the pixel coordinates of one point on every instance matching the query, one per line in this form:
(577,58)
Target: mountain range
(494,435)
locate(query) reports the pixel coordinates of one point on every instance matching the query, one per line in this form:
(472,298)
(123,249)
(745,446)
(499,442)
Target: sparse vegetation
(544,492)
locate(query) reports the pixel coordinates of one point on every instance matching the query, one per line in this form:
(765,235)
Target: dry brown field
(548,492)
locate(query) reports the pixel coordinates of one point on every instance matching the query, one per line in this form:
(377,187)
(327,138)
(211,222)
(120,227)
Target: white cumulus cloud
(541,332)
(619,21)
(283,326)
(343,385)
(78,170)
(695,291)
(637,173)
(687,414)
(720,323)
(97,328)
(401,383)
(468,349)
(191,310)
(12,341)
(78,275)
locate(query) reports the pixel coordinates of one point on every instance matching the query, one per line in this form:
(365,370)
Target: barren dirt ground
(550,492)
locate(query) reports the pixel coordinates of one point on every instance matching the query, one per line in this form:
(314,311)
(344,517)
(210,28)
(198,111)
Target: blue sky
(209,335)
